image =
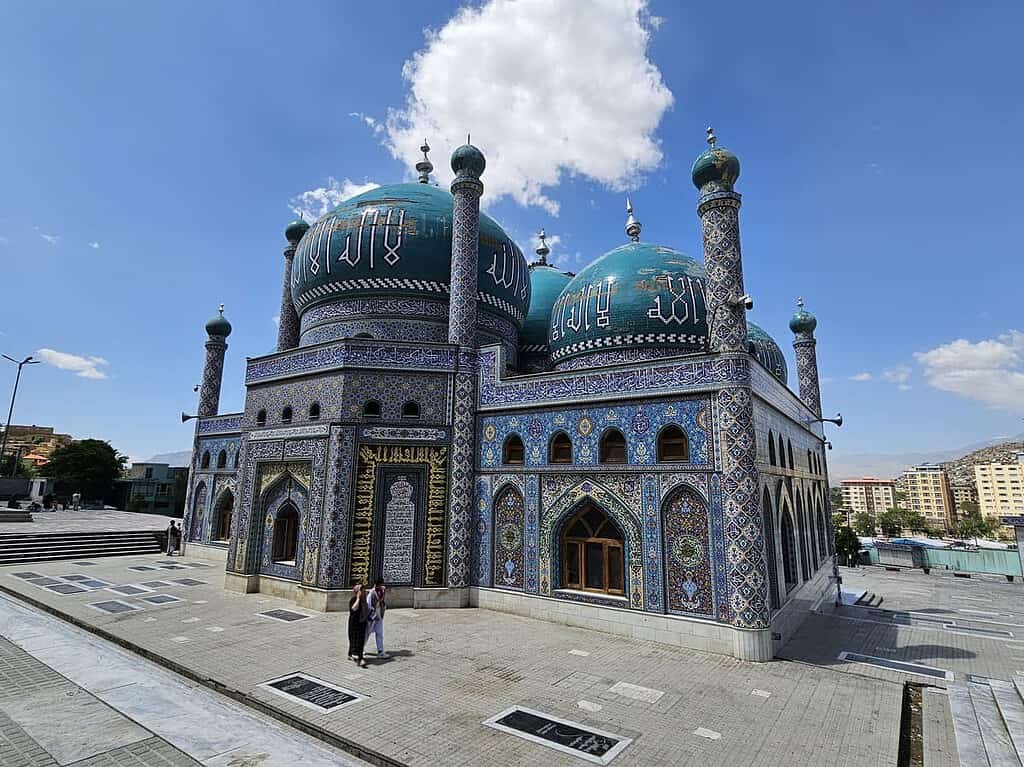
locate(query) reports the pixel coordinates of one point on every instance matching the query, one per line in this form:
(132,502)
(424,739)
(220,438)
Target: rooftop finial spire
(712,138)
(468,141)
(542,249)
(221,308)
(424,166)
(800,303)
(632,225)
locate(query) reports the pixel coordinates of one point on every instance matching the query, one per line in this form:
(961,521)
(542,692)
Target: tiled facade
(701,475)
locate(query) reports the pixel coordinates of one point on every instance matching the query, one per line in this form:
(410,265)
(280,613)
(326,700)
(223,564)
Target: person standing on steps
(376,605)
(358,612)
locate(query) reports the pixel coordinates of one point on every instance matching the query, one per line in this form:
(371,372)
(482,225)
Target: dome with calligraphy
(546,284)
(645,298)
(396,241)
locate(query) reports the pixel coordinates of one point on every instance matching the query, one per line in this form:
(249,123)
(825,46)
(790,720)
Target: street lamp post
(10,412)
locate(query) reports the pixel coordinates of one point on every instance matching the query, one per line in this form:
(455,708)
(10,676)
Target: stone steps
(43,547)
(988,719)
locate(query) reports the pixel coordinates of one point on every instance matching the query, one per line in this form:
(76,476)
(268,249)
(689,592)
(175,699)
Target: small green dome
(803,321)
(716,164)
(546,284)
(294,231)
(218,325)
(467,157)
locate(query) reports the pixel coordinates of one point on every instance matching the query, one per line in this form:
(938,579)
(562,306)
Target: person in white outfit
(376,602)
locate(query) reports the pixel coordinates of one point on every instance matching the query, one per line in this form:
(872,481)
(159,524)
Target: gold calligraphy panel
(370,458)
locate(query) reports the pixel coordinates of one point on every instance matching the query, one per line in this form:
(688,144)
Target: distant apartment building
(964,492)
(1001,489)
(930,494)
(153,488)
(868,494)
(34,444)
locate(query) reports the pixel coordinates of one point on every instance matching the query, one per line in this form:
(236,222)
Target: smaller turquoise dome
(716,164)
(467,157)
(294,231)
(218,325)
(546,285)
(803,321)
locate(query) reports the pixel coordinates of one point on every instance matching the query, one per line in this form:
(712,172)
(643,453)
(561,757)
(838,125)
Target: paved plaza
(453,669)
(86,521)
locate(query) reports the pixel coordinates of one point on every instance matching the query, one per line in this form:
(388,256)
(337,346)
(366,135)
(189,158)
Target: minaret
(424,167)
(217,331)
(468,163)
(714,173)
(803,324)
(633,226)
(288,319)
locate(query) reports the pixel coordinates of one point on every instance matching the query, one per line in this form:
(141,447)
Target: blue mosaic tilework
(670,377)
(652,544)
(196,520)
(719,216)
(687,556)
(337,504)
(509,511)
(639,424)
(213,373)
(393,390)
(807,372)
(481,570)
(222,424)
(531,532)
(286,490)
(229,445)
(351,353)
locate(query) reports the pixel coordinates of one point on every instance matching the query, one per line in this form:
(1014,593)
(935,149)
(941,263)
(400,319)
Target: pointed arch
(673,445)
(689,582)
(790,567)
(223,517)
(222,459)
(205,462)
(560,448)
(612,447)
(789,451)
(513,452)
(771,448)
(801,532)
(509,516)
(285,538)
(782,452)
(593,553)
(768,524)
(198,512)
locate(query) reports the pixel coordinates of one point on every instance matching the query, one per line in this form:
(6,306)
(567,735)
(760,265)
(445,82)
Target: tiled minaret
(288,319)
(468,163)
(714,173)
(803,324)
(217,331)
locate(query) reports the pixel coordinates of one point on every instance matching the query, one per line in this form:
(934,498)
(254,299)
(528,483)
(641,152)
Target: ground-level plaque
(588,743)
(312,692)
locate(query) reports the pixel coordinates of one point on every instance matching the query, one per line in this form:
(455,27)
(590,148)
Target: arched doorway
(592,553)
(198,509)
(790,570)
(223,514)
(286,534)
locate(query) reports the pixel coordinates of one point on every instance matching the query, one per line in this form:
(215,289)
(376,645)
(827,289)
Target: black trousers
(356,637)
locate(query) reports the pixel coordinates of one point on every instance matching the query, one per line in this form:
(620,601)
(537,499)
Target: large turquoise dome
(397,241)
(645,298)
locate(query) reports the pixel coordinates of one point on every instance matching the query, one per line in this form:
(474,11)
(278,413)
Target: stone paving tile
(454,668)
(17,749)
(153,752)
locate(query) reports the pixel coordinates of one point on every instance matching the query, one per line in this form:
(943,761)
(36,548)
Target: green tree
(835,498)
(891,522)
(847,545)
(864,523)
(87,466)
(974,525)
(838,520)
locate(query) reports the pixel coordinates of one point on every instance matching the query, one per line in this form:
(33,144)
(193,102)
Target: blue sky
(151,153)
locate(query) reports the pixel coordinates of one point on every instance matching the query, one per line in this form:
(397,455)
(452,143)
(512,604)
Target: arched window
(238,457)
(592,553)
(789,566)
(789,448)
(810,462)
(822,535)
(769,546)
(286,414)
(411,409)
(223,513)
(205,463)
(613,447)
(771,448)
(314,411)
(560,448)
(513,452)
(371,409)
(222,459)
(261,418)
(782,453)
(673,445)
(286,534)
(801,534)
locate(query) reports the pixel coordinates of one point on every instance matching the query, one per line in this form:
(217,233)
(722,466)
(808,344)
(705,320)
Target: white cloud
(50,238)
(94,245)
(540,103)
(84,367)
(314,203)
(988,371)
(899,375)
(371,122)
(865,376)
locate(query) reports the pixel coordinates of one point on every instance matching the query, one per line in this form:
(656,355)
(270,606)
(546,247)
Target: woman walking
(358,612)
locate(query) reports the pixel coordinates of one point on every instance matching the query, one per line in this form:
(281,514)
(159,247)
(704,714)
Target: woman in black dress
(358,612)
